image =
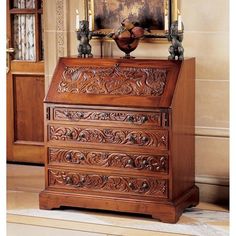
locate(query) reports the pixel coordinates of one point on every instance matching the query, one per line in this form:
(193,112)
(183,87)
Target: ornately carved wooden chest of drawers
(120,136)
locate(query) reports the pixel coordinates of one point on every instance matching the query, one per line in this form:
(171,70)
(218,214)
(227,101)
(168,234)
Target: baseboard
(212,131)
(213,189)
(215,180)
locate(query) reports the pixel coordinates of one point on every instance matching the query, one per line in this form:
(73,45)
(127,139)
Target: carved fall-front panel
(116,80)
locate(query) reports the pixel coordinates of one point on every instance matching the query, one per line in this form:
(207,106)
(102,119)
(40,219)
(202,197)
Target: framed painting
(150,14)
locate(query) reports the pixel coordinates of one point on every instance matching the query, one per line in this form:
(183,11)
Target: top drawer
(159,118)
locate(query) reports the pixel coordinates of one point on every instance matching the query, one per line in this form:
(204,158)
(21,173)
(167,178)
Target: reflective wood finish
(120,136)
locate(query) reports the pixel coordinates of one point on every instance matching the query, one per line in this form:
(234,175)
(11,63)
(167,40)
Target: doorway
(25,81)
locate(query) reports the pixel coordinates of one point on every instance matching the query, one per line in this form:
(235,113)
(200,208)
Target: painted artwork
(108,14)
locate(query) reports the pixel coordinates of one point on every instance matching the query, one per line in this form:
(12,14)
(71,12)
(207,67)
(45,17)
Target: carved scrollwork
(113,136)
(115,80)
(106,183)
(155,163)
(129,117)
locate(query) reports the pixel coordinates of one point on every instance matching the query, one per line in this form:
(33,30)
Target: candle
(86,10)
(90,21)
(174,10)
(179,21)
(77,20)
(166,21)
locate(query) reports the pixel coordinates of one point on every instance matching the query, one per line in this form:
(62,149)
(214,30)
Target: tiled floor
(25,218)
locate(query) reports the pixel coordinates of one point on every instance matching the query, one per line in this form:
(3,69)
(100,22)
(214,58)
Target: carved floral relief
(107,183)
(154,163)
(134,118)
(112,136)
(115,80)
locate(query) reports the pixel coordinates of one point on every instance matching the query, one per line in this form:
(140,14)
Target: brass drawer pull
(81,157)
(69,156)
(130,162)
(71,115)
(131,185)
(145,186)
(69,134)
(81,136)
(68,180)
(83,179)
(130,119)
(68,114)
(81,182)
(145,162)
(144,119)
(132,139)
(104,116)
(145,139)
(80,115)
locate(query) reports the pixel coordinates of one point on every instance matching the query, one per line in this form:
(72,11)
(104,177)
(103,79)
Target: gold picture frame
(107,15)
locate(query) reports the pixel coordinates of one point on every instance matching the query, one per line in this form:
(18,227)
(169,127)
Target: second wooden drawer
(105,135)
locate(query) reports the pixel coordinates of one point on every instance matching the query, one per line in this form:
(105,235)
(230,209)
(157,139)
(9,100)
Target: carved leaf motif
(127,137)
(113,81)
(135,118)
(95,182)
(157,163)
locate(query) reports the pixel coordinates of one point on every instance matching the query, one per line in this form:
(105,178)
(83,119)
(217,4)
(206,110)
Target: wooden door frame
(21,151)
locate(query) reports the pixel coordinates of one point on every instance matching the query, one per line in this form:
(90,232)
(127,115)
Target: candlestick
(176,49)
(77,19)
(179,21)
(84,35)
(90,21)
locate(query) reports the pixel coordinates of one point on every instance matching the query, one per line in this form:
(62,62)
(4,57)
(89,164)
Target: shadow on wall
(217,194)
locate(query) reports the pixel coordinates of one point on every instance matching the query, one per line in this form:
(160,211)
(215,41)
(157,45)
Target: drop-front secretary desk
(119,136)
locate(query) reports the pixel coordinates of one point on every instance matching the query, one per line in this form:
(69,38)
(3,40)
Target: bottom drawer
(96,182)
